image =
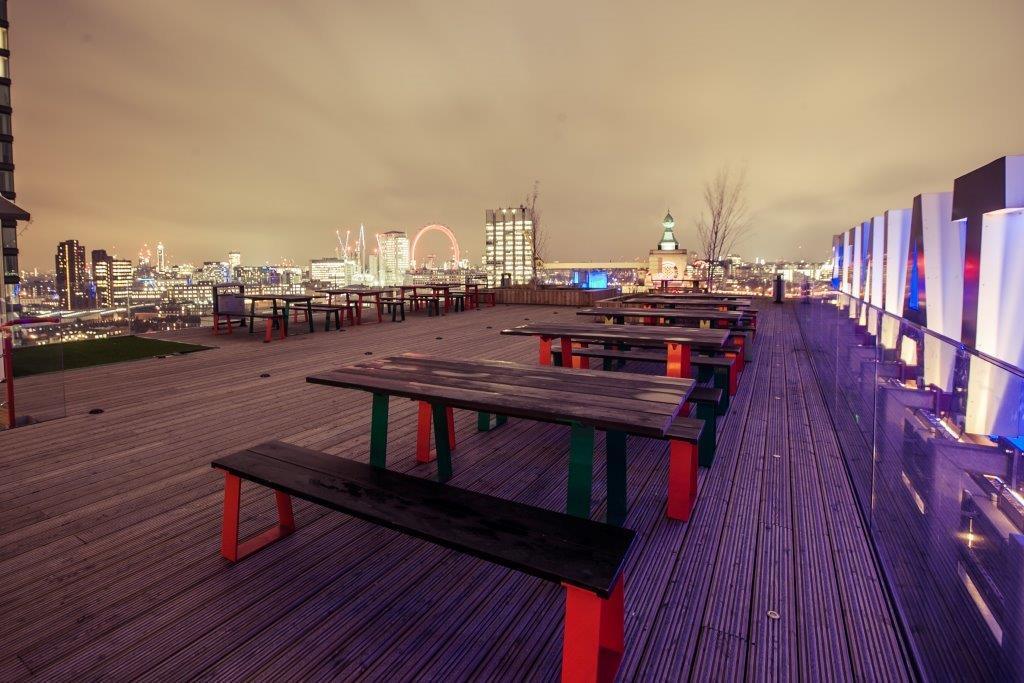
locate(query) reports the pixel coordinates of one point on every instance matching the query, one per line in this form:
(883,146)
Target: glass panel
(10,236)
(31,373)
(3,38)
(6,181)
(5,71)
(5,95)
(931,439)
(5,124)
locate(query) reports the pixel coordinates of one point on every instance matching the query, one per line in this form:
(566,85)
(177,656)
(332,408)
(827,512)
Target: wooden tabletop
(278,297)
(673,313)
(599,332)
(356,290)
(642,405)
(701,295)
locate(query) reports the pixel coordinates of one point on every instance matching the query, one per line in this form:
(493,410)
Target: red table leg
(582,362)
(545,351)
(423,433)
(679,361)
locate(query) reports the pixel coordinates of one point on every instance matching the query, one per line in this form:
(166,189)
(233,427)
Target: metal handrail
(999,363)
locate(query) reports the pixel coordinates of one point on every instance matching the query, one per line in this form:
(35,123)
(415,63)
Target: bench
(339,311)
(721,370)
(584,556)
(394,305)
(431,301)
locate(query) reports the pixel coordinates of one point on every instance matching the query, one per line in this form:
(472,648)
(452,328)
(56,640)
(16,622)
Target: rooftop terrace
(110,530)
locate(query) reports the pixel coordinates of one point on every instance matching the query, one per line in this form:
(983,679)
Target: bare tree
(724,220)
(539,236)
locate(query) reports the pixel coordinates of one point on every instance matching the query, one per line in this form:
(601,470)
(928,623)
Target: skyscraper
(70,275)
(122,276)
(9,213)
(102,277)
(393,251)
(161,257)
(508,245)
(234,260)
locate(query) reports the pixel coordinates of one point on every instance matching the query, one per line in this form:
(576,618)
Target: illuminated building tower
(122,276)
(234,260)
(102,277)
(393,252)
(508,245)
(9,213)
(668,261)
(161,257)
(70,275)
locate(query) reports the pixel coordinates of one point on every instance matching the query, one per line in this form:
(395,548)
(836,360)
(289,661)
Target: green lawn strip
(33,360)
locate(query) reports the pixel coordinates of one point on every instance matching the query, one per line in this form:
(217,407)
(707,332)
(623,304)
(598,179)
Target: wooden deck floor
(109,532)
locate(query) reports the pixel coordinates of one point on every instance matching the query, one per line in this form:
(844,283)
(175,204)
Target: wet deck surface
(109,531)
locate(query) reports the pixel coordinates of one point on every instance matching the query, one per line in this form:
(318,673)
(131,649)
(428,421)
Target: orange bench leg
(216,324)
(678,357)
(270,331)
(593,641)
(568,361)
(230,548)
(682,479)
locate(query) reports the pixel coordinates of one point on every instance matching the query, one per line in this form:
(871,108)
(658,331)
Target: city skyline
(199,151)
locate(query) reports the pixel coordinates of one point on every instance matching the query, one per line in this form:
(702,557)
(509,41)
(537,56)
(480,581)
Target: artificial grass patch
(33,360)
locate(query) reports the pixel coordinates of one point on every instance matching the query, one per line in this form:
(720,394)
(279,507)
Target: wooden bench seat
(584,556)
(721,369)
(395,305)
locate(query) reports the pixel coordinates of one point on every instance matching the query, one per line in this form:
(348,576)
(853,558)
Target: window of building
(6,153)
(3,38)
(5,95)
(5,71)
(5,124)
(10,236)
(6,181)
(11,265)
(3,10)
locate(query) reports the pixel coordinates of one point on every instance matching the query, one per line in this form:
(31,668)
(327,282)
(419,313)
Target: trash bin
(779,288)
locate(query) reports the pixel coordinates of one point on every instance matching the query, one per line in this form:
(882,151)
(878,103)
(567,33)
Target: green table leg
(708,437)
(581,470)
(722,382)
(379,431)
(441,445)
(483,422)
(500,420)
(616,477)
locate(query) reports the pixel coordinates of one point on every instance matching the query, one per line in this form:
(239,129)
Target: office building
(234,260)
(332,271)
(122,277)
(10,214)
(102,278)
(161,258)
(508,249)
(393,254)
(70,278)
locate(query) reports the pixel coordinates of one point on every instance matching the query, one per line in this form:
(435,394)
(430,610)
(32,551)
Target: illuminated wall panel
(994,395)
(940,297)
(897,239)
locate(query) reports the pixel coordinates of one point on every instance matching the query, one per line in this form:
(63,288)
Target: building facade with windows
(668,261)
(10,214)
(70,280)
(393,257)
(508,246)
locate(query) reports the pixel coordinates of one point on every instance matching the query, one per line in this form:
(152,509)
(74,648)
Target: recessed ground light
(525,318)
(96,411)
(265,374)
(772,614)
(161,356)
(489,327)
(776,455)
(438,337)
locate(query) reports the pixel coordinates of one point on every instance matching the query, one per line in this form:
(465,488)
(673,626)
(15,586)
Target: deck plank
(109,530)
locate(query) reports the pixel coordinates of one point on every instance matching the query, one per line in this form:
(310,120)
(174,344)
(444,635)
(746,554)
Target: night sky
(264,125)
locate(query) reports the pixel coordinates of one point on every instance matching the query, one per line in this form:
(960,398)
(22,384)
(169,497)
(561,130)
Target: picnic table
(618,403)
(619,314)
(691,302)
(702,295)
(287,300)
(679,341)
(374,293)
